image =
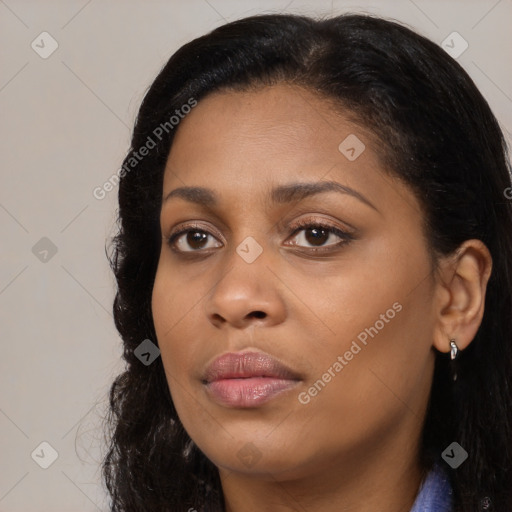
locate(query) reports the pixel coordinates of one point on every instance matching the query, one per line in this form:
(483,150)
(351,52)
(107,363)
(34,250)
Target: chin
(265,461)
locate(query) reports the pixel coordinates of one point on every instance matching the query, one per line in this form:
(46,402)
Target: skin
(354,446)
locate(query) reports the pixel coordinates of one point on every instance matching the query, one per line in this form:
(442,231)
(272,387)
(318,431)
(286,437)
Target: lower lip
(249,392)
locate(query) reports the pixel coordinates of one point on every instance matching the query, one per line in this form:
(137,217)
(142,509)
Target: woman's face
(341,310)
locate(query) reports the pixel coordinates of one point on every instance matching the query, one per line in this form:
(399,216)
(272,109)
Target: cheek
(386,364)
(378,314)
(379,387)
(175,302)
(167,297)
(172,306)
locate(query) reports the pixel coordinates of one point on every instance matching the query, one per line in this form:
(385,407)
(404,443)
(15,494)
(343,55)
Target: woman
(314,231)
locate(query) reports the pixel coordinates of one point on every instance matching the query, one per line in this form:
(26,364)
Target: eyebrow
(281,194)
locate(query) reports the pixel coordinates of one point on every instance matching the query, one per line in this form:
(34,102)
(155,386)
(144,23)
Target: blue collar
(435,493)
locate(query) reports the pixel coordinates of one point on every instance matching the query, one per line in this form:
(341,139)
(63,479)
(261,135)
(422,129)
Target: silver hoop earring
(454,351)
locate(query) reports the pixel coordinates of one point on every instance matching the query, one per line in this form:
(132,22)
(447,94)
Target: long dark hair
(436,132)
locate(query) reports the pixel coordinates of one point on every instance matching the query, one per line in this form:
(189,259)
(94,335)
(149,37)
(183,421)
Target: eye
(318,234)
(190,239)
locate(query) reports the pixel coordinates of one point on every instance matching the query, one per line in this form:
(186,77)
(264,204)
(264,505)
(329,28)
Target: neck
(382,480)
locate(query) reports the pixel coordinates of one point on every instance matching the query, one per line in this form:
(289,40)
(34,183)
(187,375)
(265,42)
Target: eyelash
(301,225)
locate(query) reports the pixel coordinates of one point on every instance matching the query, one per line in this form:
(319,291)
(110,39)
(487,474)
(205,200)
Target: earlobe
(460,295)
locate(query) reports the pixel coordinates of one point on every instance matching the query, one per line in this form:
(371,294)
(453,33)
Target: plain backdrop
(65,121)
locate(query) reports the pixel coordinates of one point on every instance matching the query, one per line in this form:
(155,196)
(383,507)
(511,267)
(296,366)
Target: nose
(247,294)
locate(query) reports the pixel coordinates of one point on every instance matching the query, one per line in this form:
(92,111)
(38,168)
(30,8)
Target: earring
(454,351)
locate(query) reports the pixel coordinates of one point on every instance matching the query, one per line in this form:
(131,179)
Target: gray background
(65,128)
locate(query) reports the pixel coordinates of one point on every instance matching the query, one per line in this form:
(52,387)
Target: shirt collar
(435,493)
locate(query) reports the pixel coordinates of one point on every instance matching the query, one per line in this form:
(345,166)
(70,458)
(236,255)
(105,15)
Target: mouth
(247,379)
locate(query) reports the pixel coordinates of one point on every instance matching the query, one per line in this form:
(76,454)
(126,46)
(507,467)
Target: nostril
(258,314)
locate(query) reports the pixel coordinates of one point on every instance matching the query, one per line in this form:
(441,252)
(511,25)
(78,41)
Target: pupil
(316,239)
(195,237)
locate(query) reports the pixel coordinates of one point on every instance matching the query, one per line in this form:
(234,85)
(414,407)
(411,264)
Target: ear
(460,295)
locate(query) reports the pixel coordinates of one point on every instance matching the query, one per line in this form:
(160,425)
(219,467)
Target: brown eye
(316,235)
(190,240)
(196,239)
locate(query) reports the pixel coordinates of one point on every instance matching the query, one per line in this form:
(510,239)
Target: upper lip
(240,365)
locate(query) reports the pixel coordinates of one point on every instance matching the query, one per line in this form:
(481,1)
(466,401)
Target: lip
(247,379)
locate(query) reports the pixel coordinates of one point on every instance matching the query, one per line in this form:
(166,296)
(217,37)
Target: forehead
(272,131)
